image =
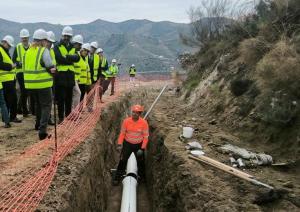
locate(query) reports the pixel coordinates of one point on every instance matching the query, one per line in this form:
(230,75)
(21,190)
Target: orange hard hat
(137,108)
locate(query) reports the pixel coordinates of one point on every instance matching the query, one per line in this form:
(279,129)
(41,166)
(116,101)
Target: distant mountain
(152,46)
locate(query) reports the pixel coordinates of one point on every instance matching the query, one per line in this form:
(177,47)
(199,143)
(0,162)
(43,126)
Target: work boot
(43,136)
(7,125)
(36,126)
(16,120)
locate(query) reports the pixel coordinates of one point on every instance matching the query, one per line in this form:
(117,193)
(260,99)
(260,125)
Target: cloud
(74,12)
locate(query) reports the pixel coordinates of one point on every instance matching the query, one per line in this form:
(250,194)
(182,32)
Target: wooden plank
(229,170)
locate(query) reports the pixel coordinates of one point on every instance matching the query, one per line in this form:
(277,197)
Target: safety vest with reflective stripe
(111,72)
(20,56)
(132,71)
(64,52)
(36,76)
(6,76)
(96,66)
(52,54)
(134,132)
(81,70)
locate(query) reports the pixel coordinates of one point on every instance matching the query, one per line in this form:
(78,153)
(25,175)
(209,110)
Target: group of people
(46,69)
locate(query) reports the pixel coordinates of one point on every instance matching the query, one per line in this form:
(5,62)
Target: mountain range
(151,46)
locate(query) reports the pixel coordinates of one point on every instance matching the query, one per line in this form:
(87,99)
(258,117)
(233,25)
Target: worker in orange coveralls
(133,138)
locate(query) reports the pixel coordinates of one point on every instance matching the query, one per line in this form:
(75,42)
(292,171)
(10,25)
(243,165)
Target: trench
(83,180)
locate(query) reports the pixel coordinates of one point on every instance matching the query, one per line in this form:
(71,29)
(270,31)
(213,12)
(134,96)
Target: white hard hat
(9,39)
(114,61)
(40,34)
(132,65)
(51,36)
(86,46)
(24,33)
(99,50)
(78,39)
(94,44)
(67,31)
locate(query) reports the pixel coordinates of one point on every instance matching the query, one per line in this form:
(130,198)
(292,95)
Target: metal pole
(55,120)
(156,100)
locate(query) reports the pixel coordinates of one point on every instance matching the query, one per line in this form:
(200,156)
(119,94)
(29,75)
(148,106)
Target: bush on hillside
(280,69)
(253,49)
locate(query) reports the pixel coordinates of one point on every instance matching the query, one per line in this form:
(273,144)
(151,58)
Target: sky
(85,11)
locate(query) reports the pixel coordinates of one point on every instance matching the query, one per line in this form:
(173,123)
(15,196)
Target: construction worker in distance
(17,58)
(133,139)
(114,70)
(49,45)
(7,77)
(94,62)
(132,73)
(6,67)
(38,78)
(103,66)
(77,42)
(83,68)
(66,56)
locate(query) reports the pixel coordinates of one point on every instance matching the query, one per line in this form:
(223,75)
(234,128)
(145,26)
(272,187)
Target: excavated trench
(83,180)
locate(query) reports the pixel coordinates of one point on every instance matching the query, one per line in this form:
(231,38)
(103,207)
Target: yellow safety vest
(6,76)
(1,85)
(96,66)
(114,70)
(64,52)
(81,70)
(20,55)
(132,71)
(52,54)
(36,76)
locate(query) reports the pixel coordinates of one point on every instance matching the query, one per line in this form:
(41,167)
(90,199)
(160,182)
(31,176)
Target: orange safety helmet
(137,108)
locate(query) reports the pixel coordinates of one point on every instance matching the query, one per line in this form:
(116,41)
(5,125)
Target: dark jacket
(5,66)
(65,78)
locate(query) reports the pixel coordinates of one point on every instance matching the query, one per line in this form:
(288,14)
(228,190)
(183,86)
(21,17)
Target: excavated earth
(174,182)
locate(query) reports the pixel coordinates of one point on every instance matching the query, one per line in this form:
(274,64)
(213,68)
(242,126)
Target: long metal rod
(156,100)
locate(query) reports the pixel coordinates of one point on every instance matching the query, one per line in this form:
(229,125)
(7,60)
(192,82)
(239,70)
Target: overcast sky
(84,11)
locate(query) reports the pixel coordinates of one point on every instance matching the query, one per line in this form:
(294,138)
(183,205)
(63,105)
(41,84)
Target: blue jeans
(3,107)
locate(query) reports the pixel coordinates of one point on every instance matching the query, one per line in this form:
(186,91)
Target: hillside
(152,46)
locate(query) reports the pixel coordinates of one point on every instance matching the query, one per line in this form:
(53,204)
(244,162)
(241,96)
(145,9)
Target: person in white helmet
(17,58)
(49,45)
(38,79)
(83,69)
(94,62)
(66,56)
(77,42)
(132,73)
(7,77)
(111,74)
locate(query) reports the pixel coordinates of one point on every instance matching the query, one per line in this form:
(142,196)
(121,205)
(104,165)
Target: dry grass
(280,69)
(253,49)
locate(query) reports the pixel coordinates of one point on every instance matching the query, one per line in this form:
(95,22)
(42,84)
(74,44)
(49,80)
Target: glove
(139,153)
